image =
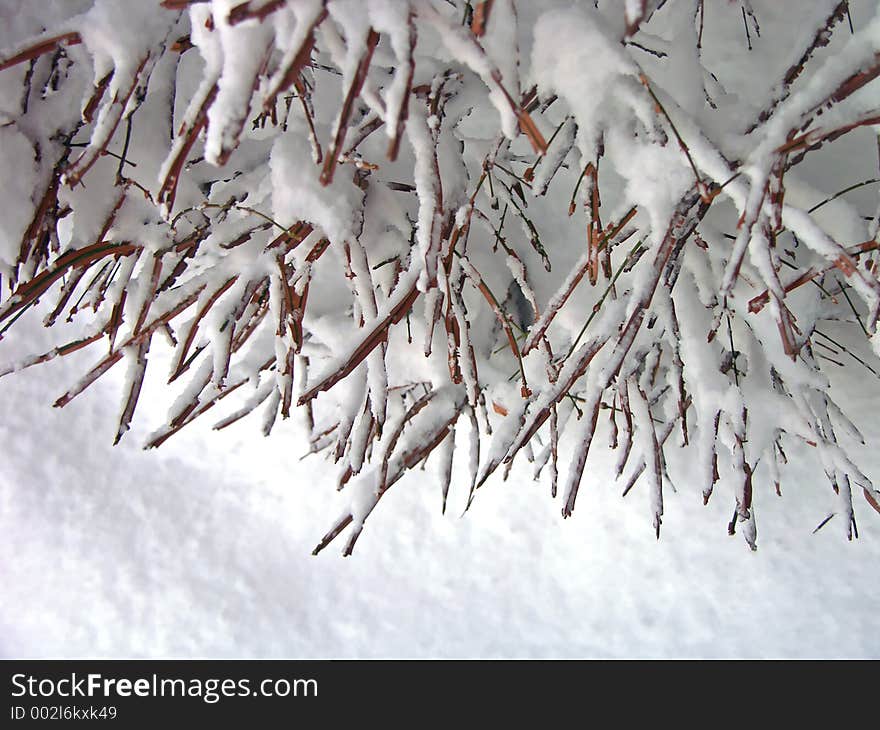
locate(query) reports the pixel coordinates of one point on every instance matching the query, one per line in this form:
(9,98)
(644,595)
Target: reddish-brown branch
(817,136)
(480,21)
(137,380)
(79,259)
(871,499)
(34,231)
(526,123)
(112,358)
(856,81)
(196,409)
(232,131)
(180,4)
(59,351)
(155,274)
(594,224)
(351,94)
(183,350)
(38,49)
(411,412)
(79,167)
(189,134)
(88,111)
(377,334)
(403,109)
(757,303)
(820,39)
(540,327)
(638,13)
(483,288)
(290,73)
(246,11)
(409,459)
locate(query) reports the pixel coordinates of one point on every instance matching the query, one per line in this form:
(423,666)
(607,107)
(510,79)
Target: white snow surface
(202,548)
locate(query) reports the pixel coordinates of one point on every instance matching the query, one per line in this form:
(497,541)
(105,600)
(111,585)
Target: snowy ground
(202,548)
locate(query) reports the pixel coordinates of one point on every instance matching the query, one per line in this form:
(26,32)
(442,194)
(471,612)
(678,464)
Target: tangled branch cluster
(408,217)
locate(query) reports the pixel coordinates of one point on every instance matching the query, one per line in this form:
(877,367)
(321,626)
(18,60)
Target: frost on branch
(518,225)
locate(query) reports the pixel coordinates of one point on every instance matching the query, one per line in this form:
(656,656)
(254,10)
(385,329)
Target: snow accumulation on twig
(385,214)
